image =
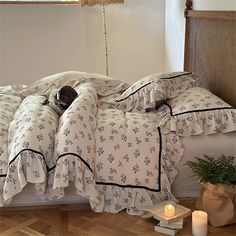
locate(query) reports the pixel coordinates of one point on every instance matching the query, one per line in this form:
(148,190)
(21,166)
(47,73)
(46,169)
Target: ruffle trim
(26,168)
(2,202)
(172,154)
(45,190)
(152,95)
(48,185)
(22,170)
(145,98)
(133,200)
(70,168)
(206,122)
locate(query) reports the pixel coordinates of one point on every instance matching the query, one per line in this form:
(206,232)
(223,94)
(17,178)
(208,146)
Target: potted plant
(218,177)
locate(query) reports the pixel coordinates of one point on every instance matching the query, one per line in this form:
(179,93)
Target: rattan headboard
(210,50)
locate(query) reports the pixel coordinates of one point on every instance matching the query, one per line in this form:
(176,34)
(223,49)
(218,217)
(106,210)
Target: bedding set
(118,145)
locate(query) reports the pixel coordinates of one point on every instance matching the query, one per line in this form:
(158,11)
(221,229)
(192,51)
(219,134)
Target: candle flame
(169,206)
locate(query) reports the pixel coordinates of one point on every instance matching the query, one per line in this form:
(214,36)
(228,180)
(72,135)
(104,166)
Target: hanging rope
(103,2)
(94,2)
(105,35)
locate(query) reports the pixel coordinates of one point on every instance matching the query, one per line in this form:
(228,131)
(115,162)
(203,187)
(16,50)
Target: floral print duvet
(118,160)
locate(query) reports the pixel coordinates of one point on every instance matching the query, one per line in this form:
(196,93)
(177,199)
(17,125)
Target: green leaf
(214,170)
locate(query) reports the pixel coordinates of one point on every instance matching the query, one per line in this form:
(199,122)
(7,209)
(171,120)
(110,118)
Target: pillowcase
(152,90)
(198,111)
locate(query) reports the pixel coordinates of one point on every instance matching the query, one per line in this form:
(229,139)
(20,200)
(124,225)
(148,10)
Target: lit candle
(169,210)
(199,223)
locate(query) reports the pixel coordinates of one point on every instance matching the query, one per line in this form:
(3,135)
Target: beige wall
(175,26)
(226,5)
(38,40)
(144,36)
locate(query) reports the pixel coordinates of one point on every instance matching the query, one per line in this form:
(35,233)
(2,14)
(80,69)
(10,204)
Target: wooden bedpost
(188,4)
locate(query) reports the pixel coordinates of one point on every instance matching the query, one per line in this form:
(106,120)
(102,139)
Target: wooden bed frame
(210,50)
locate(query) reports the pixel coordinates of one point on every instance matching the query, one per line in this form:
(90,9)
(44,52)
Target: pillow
(198,111)
(153,90)
(104,85)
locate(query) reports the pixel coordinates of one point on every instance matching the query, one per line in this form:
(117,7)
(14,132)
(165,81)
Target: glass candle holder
(169,210)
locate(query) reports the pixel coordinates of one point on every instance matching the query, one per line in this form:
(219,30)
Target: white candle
(199,223)
(169,210)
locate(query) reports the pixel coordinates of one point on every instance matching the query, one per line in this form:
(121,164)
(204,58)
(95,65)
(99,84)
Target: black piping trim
(200,110)
(171,77)
(134,92)
(51,168)
(176,76)
(100,183)
(169,108)
(73,154)
(31,150)
(143,187)
(128,186)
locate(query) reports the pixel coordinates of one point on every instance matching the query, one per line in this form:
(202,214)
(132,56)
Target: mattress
(195,146)
(184,186)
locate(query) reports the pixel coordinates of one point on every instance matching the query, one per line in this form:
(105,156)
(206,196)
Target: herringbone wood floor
(79,220)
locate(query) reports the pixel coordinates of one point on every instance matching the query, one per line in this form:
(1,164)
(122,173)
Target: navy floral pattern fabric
(30,144)
(117,159)
(152,90)
(198,111)
(10,99)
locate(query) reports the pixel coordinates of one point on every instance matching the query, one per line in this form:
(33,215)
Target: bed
(122,146)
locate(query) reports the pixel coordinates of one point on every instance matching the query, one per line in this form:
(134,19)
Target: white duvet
(117,159)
